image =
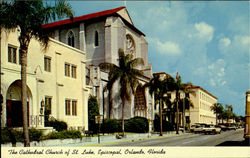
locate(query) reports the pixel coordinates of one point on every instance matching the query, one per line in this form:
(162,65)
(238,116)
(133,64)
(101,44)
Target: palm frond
(108,66)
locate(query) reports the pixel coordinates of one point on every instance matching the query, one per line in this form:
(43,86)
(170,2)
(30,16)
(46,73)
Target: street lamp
(98,119)
(183,112)
(42,105)
(103,104)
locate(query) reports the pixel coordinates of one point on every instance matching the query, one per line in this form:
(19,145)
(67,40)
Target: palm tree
(187,104)
(188,91)
(217,108)
(154,90)
(127,76)
(178,86)
(229,107)
(159,87)
(229,111)
(28,17)
(221,113)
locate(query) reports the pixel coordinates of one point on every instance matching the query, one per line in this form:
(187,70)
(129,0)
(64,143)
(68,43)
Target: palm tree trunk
(123,104)
(183,115)
(110,103)
(160,113)
(189,123)
(216,119)
(24,95)
(177,113)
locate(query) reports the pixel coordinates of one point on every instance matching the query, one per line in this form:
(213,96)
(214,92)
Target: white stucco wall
(95,54)
(53,84)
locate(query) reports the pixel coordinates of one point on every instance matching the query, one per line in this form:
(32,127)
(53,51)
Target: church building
(100,35)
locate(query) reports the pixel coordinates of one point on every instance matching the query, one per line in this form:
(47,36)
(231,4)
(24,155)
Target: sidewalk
(93,141)
(129,137)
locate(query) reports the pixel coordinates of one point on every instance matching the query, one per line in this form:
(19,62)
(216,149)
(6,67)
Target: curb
(137,139)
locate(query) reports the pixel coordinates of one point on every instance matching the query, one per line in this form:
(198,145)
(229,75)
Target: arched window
(96,39)
(140,102)
(71,39)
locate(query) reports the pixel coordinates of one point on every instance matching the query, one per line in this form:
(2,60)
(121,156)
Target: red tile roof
(84,17)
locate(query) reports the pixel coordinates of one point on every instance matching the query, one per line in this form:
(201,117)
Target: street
(227,138)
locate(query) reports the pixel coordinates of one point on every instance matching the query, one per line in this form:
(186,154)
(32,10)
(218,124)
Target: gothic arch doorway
(140,103)
(14,104)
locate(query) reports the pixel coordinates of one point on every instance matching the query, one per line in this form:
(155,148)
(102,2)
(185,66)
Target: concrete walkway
(93,141)
(129,137)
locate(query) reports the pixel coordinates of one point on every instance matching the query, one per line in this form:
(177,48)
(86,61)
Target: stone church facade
(100,35)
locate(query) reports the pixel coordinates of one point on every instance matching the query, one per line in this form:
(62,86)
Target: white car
(211,129)
(198,128)
(218,129)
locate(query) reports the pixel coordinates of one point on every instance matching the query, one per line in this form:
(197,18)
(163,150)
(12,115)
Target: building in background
(55,79)
(201,99)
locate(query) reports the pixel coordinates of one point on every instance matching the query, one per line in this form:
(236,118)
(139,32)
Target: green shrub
(71,134)
(110,126)
(93,110)
(5,136)
(35,135)
(11,135)
(65,134)
(52,135)
(57,125)
(137,125)
(166,125)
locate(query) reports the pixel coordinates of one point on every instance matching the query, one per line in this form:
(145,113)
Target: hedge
(57,125)
(110,126)
(11,135)
(73,134)
(166,125)
(137,125)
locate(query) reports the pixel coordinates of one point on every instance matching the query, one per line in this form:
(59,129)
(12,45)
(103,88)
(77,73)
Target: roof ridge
(83,17)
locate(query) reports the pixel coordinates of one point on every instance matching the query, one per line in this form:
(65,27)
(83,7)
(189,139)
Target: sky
(206,42)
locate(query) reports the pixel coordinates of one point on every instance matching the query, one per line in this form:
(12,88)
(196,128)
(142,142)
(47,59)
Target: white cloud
(240,44)
(216,73)
(245,40)
(204,30)
(184,41)
(225,42)
(239,24)
(167,47)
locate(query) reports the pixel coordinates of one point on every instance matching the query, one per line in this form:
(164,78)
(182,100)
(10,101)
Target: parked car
(211,129)
(181,129)
(192,128)
(218,129)
(232,127)
(223,127)
(198,128)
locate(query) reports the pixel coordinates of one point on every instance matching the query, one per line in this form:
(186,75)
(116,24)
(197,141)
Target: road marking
(188,142)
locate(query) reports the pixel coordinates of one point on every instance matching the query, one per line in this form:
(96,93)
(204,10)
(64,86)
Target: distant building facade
(55,80)
(201,99)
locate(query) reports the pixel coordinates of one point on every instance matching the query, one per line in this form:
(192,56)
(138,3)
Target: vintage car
(198,128)
(211,129)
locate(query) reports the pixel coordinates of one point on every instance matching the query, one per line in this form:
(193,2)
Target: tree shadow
(235,143)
